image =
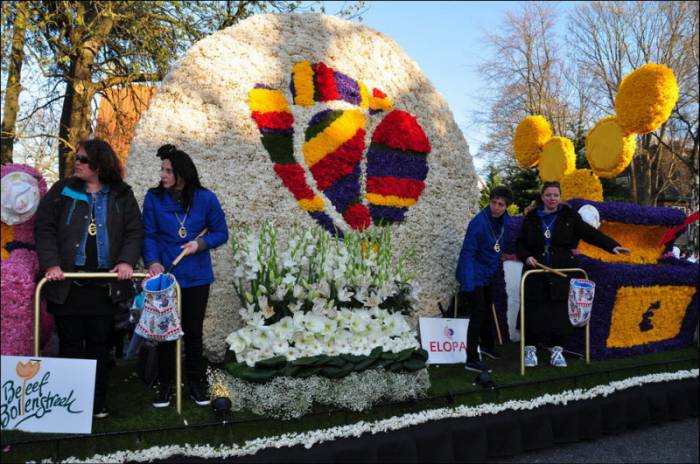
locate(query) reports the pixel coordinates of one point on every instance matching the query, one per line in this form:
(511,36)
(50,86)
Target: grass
(134,424)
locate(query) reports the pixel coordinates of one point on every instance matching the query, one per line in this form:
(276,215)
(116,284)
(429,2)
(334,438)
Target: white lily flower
(344,295)
(279,294)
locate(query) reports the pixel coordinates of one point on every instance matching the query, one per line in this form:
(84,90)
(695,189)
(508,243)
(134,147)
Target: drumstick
(182,253)
(549,269)
(498,328)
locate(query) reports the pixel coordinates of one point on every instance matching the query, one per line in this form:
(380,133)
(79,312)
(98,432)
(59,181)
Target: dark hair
(550,184)
(102,159)
(183,168)
(501,191)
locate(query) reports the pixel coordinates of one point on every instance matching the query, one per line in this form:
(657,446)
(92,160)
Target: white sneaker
(557,359)
(530,356)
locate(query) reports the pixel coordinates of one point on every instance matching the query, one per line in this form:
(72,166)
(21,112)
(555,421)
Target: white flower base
(311,438)
(288,397)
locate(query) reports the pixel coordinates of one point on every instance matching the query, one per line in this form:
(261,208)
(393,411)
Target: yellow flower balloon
(608,150)
(581,183)
(530,135)
(557,159)
(645,98)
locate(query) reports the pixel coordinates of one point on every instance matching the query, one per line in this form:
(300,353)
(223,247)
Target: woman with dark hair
(174,214)
(90,222)
(478,263)
(549,233)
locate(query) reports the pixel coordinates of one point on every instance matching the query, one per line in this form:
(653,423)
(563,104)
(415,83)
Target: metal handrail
(522,315)
(111,275)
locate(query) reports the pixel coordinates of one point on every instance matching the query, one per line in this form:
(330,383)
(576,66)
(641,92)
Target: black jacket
(568,230)
(58,235)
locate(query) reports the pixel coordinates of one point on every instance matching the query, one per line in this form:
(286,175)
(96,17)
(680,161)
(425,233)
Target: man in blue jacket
(478,263)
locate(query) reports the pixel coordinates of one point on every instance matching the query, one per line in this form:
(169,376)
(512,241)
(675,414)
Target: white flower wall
(203,108)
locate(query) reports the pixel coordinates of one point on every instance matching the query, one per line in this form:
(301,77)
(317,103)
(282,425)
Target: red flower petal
(292,176)
(401,131)
(404,188)
(325,81)
(273,120)
(357,216)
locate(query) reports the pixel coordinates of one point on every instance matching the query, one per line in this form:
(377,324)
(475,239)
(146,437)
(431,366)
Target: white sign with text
(47,394)
(445,340)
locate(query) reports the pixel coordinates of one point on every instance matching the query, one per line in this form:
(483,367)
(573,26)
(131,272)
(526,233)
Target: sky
(446,39)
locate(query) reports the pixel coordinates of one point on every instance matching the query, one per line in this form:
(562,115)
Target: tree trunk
(13,87)
(76,114)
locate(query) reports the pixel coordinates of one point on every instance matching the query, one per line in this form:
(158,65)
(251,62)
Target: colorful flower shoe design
(326,173)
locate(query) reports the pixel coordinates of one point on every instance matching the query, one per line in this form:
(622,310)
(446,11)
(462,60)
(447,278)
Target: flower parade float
(347,187)
(644,302)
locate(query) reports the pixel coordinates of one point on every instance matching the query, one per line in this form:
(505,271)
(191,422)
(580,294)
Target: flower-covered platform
(546,407)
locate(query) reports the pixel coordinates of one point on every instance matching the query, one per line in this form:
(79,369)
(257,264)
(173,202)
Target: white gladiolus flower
(344,295)
(279,294)
(266,309)
(315,323)
(284,329)
(294,307)
(298,292)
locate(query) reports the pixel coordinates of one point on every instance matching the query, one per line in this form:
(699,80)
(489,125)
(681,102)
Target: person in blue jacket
(478,263)
(174,214)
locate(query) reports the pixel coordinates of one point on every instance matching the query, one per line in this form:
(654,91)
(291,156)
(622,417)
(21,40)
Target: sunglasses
(82,159)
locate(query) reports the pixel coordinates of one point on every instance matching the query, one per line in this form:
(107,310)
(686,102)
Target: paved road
(675,442)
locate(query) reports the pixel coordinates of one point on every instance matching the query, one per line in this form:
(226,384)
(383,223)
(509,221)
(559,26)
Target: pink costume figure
(22,189)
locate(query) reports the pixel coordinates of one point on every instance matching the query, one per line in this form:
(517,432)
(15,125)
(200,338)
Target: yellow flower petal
(581,183)
(608,150)
(530,135)
(557,160)
(645,98)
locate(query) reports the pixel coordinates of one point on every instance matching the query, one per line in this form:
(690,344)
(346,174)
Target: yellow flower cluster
(557,160)
(390,200)
(364,95)
(267,100)
(6,236)
(608,150)
(332,137)
(581,183)
(314,204)
(642,241)
(530,136)
(380,103)
(303,77)
(645,98)
(644,315)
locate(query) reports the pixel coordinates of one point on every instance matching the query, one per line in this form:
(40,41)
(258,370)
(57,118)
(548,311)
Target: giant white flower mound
(310,119)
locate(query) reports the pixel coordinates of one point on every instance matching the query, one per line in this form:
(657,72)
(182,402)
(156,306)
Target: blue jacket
(478,261)
(161,240)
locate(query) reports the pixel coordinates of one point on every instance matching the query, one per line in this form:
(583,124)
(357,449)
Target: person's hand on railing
(618,250)
(54,273)
(124,271)
(155,269)
(531,261)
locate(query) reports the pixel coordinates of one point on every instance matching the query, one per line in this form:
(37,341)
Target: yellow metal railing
(522,314)
(110,275)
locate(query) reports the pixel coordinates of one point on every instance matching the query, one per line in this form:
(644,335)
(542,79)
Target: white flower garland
(310,438)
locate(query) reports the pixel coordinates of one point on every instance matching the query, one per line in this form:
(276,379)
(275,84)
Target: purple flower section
(610,277)
(347,88)
(268,131)
(263,86)
(500,302)
(318,117)
(629,213)
(384,163)
(386,213)
(326,222)
(345,191)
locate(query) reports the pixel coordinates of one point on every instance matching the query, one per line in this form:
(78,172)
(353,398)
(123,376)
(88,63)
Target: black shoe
(100,413)
(476,366)
(490,352)
(199,392)
(164,392)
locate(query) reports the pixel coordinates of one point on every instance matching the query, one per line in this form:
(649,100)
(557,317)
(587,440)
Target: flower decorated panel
(313,120)
(644,315)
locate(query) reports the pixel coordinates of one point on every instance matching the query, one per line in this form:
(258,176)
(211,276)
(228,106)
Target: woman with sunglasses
(174,215)
(89,222)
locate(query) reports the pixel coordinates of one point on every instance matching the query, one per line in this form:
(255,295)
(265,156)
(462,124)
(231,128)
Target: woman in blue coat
(478,263)
(174,214)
